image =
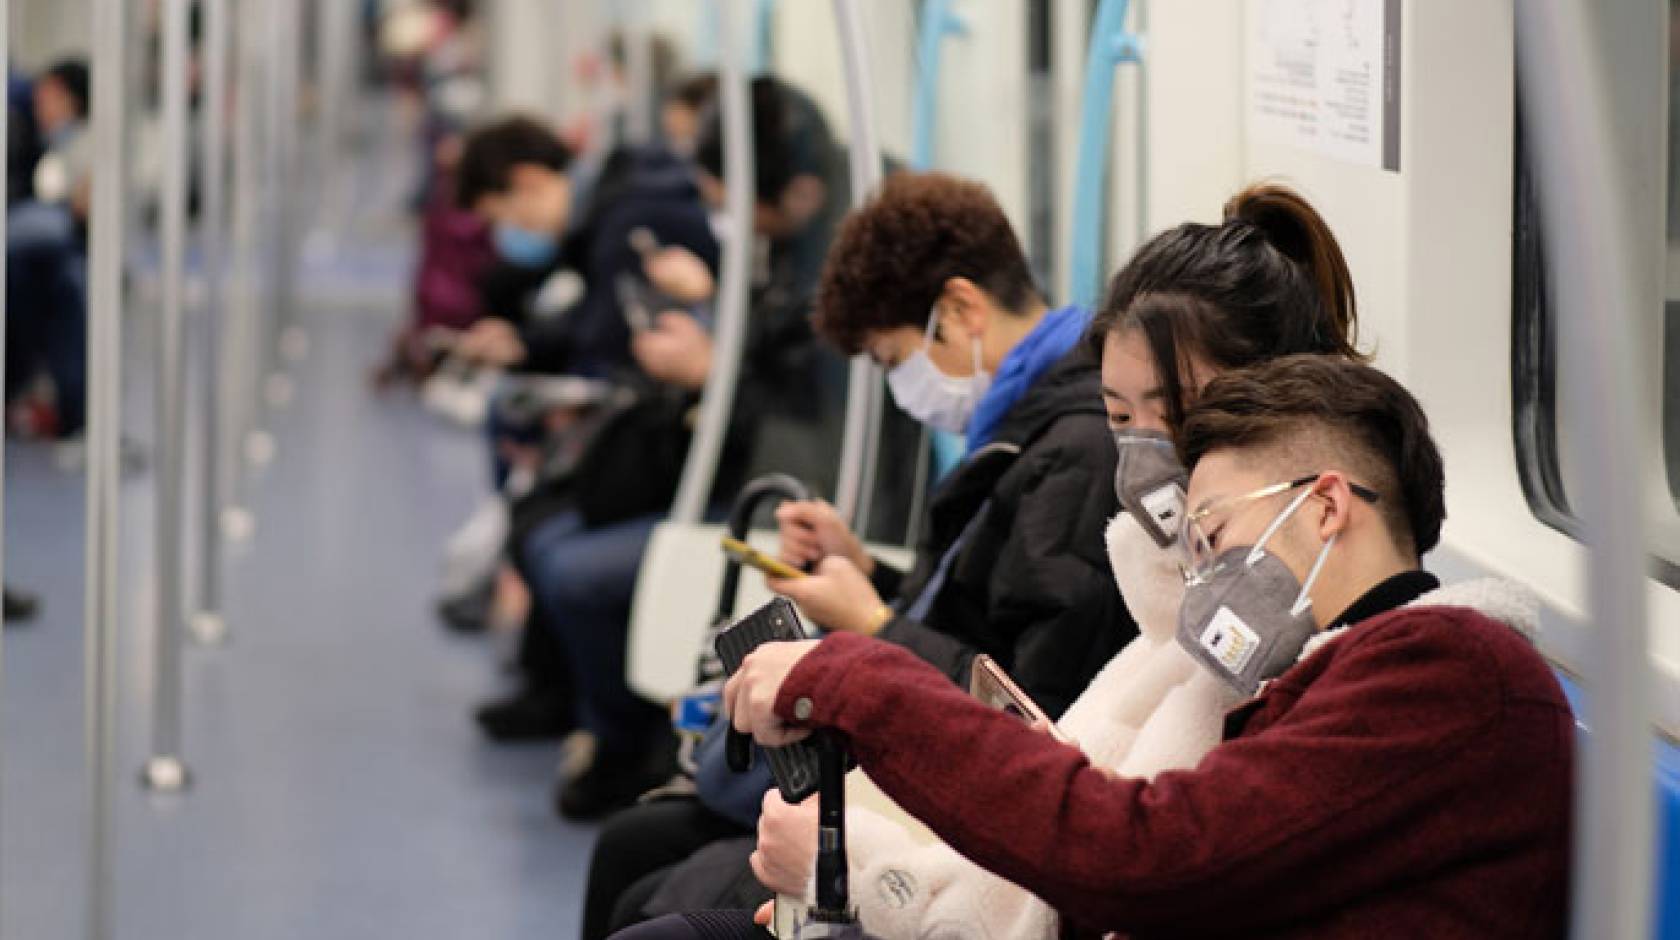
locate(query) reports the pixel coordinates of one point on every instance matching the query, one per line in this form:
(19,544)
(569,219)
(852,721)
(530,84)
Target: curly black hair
(892,256)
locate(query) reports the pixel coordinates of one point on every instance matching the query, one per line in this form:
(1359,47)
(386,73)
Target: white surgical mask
(940,401)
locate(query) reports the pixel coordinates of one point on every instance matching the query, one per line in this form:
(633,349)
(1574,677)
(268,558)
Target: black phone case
(794,766)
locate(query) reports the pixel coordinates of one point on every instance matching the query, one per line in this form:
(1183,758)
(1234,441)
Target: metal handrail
(1111,46)
(105,303)
(636,39)
(207,624)
(861,437)
(1568,107)
(938,22)
(718,398)
(164,769)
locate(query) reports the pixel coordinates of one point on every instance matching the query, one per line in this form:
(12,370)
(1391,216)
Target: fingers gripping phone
(991,685)
(753,558)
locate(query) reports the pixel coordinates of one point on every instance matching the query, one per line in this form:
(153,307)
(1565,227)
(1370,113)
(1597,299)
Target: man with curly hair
(929,280)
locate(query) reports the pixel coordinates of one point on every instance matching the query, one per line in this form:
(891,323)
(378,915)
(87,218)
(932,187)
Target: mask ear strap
(1260,544)
(932,326)
(1302,601)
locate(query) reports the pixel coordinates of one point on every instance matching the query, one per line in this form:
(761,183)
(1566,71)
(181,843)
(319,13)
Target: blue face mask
(525,248)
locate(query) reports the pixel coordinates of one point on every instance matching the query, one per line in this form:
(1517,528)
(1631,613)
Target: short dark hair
(73,75)
(791,138)
(1270,280)
(491,153)
(1310,408)
(696,92)
(892,256)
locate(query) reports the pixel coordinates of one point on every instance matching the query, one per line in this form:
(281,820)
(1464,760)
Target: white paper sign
(1324,75)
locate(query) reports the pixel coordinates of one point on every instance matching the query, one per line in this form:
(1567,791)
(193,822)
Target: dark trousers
(581,581)
(701,925)
(637,845)
(46,303)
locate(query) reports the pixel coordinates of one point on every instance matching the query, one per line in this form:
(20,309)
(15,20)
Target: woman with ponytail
(1196,300)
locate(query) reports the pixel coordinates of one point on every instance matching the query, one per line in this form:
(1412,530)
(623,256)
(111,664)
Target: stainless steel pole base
(294,344)
(238,524)
(165,775)
(260,448)
(279,391)
(207,628)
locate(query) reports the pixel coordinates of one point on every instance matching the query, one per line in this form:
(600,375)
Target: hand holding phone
(992,686)
(753,558)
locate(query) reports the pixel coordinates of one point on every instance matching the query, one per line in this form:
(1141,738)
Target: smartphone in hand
(753,558)
(992,686)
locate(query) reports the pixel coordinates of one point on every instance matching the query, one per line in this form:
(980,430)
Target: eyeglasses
(1199,560)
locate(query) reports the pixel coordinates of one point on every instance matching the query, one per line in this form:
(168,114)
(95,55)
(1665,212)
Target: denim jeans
(581,581)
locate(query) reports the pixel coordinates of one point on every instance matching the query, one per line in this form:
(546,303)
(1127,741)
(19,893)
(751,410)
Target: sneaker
(469,612)
(527,715)
(20,606)
(615,779)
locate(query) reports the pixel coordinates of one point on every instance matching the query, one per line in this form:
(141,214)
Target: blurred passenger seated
(455,249)
(553,300)
(46,283)
(1194,302)
(930,281)
(1365,788)
(579,545)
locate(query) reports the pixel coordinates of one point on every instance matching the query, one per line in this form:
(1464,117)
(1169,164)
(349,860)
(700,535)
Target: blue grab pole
(1111,46)
(938,22)
(764,18)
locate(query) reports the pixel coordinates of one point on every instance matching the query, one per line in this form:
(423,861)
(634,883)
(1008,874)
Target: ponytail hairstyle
(1268,281)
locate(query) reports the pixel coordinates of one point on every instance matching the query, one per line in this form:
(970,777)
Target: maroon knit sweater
(1410,779)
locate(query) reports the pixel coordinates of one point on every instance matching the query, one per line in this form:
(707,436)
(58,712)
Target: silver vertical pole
(637,38)
(856,487)
(289,340)
(718,399)
(207,623)
(1589,251)
(105,302)
(241,344)
(5,132)
(164,769)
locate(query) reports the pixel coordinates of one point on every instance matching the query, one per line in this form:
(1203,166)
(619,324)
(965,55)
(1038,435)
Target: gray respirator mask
(1247,618)
(1149,482)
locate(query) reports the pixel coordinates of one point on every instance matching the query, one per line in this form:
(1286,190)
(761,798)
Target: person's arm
(888,579)
(1051,591)
(1305,816)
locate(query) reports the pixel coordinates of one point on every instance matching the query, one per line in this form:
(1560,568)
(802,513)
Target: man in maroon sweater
(1402,769)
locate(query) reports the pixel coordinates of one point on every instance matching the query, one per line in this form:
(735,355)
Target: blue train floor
(340,789)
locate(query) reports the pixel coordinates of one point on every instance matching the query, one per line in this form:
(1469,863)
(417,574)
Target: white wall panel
(983,102)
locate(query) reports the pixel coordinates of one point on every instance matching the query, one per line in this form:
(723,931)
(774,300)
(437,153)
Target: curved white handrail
(729,337)
(855,489)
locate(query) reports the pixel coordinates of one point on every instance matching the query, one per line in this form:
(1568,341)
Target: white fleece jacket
(1149,710)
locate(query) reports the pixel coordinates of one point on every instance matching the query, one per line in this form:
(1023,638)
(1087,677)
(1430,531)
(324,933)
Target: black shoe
(527,715)
(20,606)
(615,779)
(469,612)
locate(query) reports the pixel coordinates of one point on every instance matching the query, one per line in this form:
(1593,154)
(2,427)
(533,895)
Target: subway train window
(1542,459)
(1671,291)
(885,469)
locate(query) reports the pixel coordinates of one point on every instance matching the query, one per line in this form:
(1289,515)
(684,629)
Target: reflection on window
(1534,350)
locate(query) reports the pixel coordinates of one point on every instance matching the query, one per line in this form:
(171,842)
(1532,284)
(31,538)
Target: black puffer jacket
(637,187)
(1031,585)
